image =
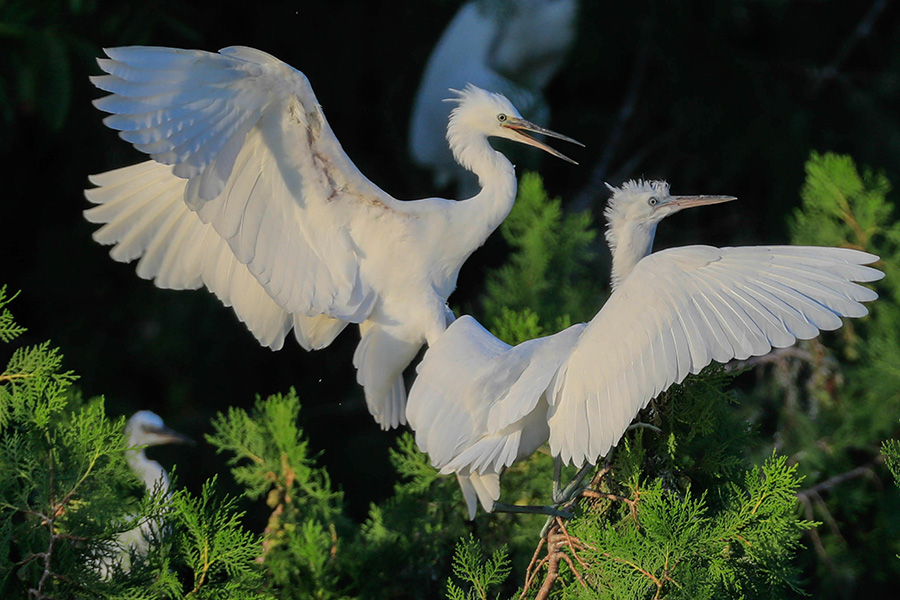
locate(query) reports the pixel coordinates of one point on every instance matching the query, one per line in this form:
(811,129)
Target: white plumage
(250,194)
(478,404)
(514,47)
(144,428)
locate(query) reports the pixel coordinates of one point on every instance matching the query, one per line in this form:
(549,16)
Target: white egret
(250,194)
(478,404)
(144,428)
(513,47)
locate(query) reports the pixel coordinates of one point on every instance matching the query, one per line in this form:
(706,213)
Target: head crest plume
(621,196)
(471,92)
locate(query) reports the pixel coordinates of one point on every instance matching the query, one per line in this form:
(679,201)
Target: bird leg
(564,496)
(557,475)
(560,496)
(551,511)
(573,488)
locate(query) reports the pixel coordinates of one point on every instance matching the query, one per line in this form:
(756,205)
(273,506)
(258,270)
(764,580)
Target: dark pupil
(501,117)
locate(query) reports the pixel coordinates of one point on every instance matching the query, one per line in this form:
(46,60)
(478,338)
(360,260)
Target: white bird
(250,194)
(144,428)
(514,47)
(477,404)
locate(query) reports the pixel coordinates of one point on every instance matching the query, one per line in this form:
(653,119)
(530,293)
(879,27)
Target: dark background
(727,97)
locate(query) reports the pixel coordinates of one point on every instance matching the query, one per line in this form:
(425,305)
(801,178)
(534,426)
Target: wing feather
(263,169)
(475,403)
(145,217)
(679,310)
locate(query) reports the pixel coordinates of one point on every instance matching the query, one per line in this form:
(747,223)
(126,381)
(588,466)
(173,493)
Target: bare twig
(554,540)
(532,567)
(814,535)
(863,30)
(572,545)
(831,482)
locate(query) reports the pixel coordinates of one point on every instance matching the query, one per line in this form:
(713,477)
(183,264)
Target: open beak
(682,202)
(169,436)
(520,126)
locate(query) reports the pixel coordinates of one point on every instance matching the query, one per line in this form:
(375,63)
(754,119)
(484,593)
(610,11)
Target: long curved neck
(149,471)
(629,243)
(484,212)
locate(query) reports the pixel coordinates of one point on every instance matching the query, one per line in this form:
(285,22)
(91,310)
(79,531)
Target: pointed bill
(520,126)
(681,202)
(169,436)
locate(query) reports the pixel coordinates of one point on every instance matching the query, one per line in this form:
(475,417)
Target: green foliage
(272,454)
(547,276)
(470,565)
(271,458)
(219,553)
(8,328)
(890,449)
(679,509)
(66,493)
(403,548)
(665,543)
(825,401)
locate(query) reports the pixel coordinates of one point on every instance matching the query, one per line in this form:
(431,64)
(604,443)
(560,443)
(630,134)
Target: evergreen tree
(698,500)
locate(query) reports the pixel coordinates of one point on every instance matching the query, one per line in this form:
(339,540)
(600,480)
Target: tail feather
(380,359)
(484,488)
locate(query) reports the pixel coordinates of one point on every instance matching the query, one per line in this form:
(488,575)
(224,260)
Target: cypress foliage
(66,492)
(699,499)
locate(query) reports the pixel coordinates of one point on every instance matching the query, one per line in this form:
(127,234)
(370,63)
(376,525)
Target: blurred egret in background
(144,428)
(250,194)
(478,404)
(512,47)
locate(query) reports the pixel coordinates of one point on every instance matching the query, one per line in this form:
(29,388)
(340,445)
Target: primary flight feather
(478,404)
(250,194)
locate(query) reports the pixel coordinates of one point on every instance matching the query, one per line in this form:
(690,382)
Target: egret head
(146,428)
(493,115)
(648,202)
(632,214)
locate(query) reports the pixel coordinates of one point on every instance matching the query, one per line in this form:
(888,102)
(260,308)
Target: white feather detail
(689,306)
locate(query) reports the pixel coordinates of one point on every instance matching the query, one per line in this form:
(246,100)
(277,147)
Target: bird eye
(501,117)
(653,201)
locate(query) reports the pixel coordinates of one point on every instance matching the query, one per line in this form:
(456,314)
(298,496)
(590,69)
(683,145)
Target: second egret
(478,404)
(144,428)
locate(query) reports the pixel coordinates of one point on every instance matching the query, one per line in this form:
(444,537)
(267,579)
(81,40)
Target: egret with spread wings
(478,404)
(250,194)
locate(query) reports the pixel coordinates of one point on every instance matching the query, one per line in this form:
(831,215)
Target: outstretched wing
(262,168)
(679,310)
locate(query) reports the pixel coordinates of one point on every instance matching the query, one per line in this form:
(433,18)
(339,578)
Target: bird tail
(380,359)
(479,487)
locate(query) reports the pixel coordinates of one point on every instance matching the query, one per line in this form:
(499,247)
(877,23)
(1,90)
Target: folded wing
(679,310)
(476,405)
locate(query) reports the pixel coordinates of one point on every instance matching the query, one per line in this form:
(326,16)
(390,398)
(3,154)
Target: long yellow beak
(520,126)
